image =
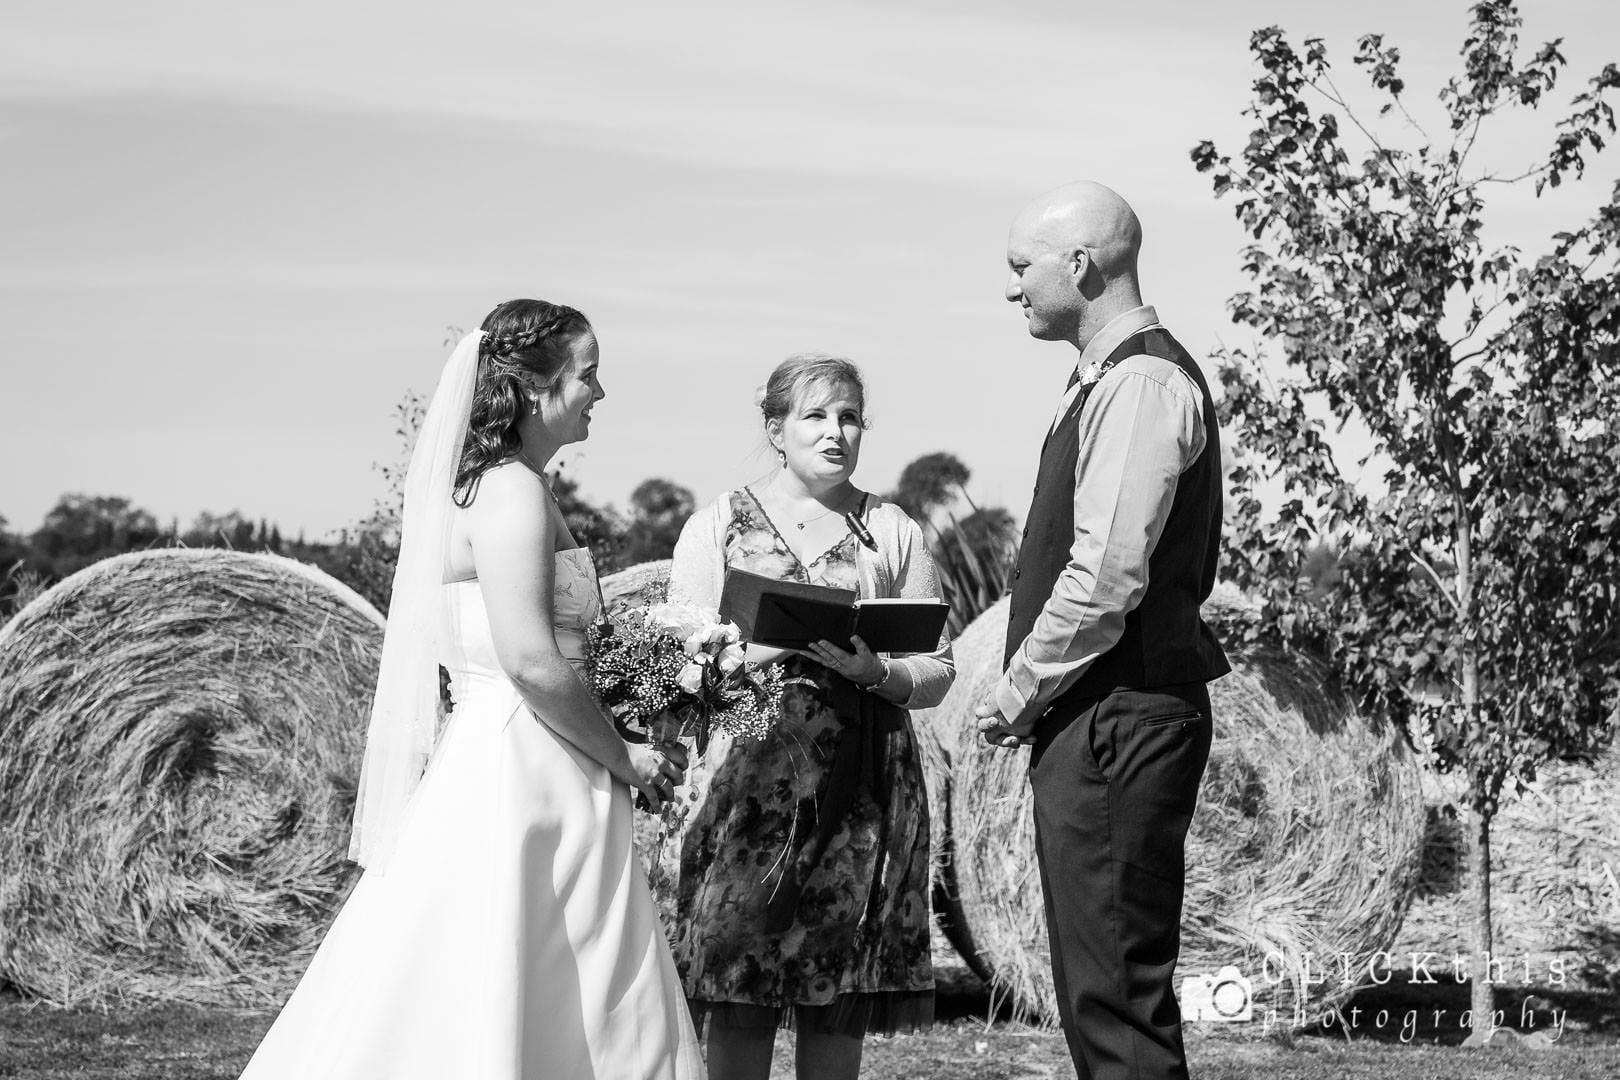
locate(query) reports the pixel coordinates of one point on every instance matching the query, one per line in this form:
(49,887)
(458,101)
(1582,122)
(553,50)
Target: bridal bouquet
(668,670)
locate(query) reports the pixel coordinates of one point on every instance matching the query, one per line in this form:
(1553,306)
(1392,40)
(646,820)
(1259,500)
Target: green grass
(185,1043)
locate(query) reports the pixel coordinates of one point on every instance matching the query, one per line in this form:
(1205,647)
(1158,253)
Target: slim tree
(1476,600)
(929,483)
(658,510)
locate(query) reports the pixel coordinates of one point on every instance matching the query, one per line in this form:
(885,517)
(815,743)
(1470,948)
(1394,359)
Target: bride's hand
(660,768)
(675,754)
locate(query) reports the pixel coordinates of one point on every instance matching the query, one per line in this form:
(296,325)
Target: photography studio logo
(1226,996)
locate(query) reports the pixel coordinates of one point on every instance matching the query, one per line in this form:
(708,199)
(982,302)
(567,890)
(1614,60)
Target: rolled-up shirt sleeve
(1140,429)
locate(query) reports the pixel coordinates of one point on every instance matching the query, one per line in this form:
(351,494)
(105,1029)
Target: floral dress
(795,876)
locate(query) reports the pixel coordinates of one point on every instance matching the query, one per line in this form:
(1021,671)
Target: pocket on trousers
(1177,717)
(1068,739)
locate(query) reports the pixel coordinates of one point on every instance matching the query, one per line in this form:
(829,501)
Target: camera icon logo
(1226,996)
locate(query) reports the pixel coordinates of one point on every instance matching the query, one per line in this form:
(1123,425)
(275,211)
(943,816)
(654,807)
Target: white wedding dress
(512,935)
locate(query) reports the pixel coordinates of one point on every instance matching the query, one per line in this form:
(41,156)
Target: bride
(503,928)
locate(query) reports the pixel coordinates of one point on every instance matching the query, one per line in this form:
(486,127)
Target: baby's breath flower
(685,661)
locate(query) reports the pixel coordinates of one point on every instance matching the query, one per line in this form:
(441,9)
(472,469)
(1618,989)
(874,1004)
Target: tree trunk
(1481,996)
(1482,1001)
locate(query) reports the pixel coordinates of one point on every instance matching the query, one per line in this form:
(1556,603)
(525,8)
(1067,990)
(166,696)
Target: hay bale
(180,736)
(944,733)
(1306,841)
(644,583)
(1555,878)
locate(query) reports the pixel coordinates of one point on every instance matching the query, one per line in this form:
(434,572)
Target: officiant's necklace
(828,512)
(801,524)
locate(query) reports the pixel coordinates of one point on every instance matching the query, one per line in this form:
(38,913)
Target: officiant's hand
(997,729)
(861,667)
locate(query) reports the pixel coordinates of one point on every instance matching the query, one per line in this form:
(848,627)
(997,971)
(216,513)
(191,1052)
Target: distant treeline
(83,529)
(972,550)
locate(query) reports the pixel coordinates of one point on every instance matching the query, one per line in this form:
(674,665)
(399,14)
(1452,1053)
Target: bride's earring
(534,405)
(783,455)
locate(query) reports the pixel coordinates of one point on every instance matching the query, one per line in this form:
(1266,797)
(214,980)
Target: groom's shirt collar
(1115,333)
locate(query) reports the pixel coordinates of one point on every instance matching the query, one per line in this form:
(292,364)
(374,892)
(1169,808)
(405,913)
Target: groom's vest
(1165,641)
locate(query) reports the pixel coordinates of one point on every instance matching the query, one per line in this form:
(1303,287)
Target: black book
(790,615)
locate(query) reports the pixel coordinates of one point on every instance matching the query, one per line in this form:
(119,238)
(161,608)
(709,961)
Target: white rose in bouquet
(691,678)
(678,620)
(706,637)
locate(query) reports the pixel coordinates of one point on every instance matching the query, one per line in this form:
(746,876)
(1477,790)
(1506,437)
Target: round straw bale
(944,733)
(644,583)
(1555,878)
(180,736)
(1300,861)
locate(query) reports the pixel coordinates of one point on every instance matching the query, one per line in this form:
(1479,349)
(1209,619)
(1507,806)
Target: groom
(1107,657)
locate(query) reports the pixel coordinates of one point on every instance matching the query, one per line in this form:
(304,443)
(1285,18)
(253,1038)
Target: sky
(234,236)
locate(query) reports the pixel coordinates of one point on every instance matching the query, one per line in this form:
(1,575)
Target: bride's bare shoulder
(508,481)
(509,498)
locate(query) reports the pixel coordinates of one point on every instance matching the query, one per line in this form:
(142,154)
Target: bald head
(1087,215)
(1073,254)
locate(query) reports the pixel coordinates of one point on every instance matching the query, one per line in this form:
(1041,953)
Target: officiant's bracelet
(872,687)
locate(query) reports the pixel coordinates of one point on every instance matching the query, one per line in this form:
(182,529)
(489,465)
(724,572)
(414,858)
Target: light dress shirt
(1140,429)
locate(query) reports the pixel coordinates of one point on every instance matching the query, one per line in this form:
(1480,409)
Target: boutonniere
(1092,374)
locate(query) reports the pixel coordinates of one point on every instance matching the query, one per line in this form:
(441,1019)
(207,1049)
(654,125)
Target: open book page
(879,601)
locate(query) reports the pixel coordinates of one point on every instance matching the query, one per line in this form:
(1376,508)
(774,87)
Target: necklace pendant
(800,524)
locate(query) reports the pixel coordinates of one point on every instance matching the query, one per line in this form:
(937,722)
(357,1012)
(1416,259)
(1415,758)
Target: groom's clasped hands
(997,729)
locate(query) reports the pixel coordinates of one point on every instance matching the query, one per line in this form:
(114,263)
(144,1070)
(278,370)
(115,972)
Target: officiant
(800,871)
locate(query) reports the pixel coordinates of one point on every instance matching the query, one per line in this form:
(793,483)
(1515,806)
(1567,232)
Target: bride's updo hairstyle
(526,342)
(798,374)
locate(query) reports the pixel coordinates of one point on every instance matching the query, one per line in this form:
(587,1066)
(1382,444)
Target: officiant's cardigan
(901,566)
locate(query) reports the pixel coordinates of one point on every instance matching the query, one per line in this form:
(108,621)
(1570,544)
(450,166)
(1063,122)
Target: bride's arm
(513,539)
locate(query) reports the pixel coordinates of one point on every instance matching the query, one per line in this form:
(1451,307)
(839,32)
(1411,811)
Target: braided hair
(522,339)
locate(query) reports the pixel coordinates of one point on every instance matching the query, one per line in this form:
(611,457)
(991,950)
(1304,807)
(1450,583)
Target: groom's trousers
(1115,782)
